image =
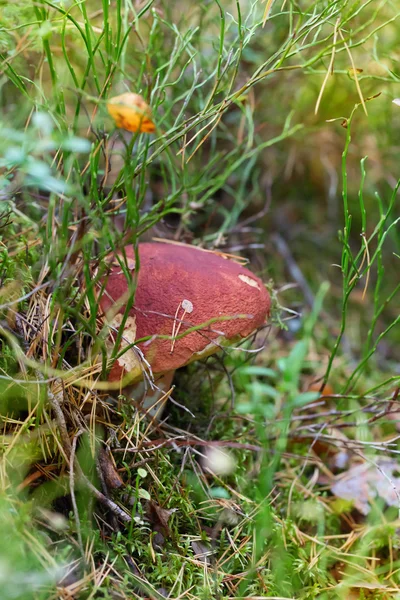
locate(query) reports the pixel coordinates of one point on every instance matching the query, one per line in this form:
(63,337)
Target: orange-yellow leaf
(354,72)
(315,386)
(131,112)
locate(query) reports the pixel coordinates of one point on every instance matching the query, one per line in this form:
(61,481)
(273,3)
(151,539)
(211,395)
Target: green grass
(242,162)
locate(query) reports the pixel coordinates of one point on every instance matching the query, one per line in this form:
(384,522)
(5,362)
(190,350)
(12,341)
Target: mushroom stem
(151,399)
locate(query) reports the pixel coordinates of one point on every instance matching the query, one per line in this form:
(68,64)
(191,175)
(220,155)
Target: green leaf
(76,144)
(219,492)
(258,371)
(305,398)
(144,494)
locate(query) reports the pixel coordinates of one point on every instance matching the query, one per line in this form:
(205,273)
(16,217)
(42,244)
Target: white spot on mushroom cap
(249,281)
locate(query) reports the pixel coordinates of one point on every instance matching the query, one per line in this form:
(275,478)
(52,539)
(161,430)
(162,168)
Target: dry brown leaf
(362,483)
(111,476)
(159,517)
(201,551)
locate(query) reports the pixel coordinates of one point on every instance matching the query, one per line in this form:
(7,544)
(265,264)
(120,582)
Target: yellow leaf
(131,112)
(353,72)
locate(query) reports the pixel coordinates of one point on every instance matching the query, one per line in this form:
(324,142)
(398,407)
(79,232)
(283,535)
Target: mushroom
(188,303)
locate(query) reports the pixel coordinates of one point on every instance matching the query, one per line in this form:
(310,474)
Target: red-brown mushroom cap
(180,287)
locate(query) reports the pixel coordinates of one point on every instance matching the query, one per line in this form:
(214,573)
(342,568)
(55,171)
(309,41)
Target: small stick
(70,454)
(72,491)
(114,508)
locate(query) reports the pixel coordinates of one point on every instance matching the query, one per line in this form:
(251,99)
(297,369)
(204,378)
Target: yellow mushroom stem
(152,400)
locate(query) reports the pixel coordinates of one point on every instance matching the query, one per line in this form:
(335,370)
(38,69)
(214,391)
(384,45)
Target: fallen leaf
(111,476)
(159,517)
(362,483)
(201,551)
(131,112)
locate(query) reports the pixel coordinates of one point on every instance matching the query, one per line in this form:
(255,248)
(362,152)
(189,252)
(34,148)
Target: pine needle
(330,68)
(355,73)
